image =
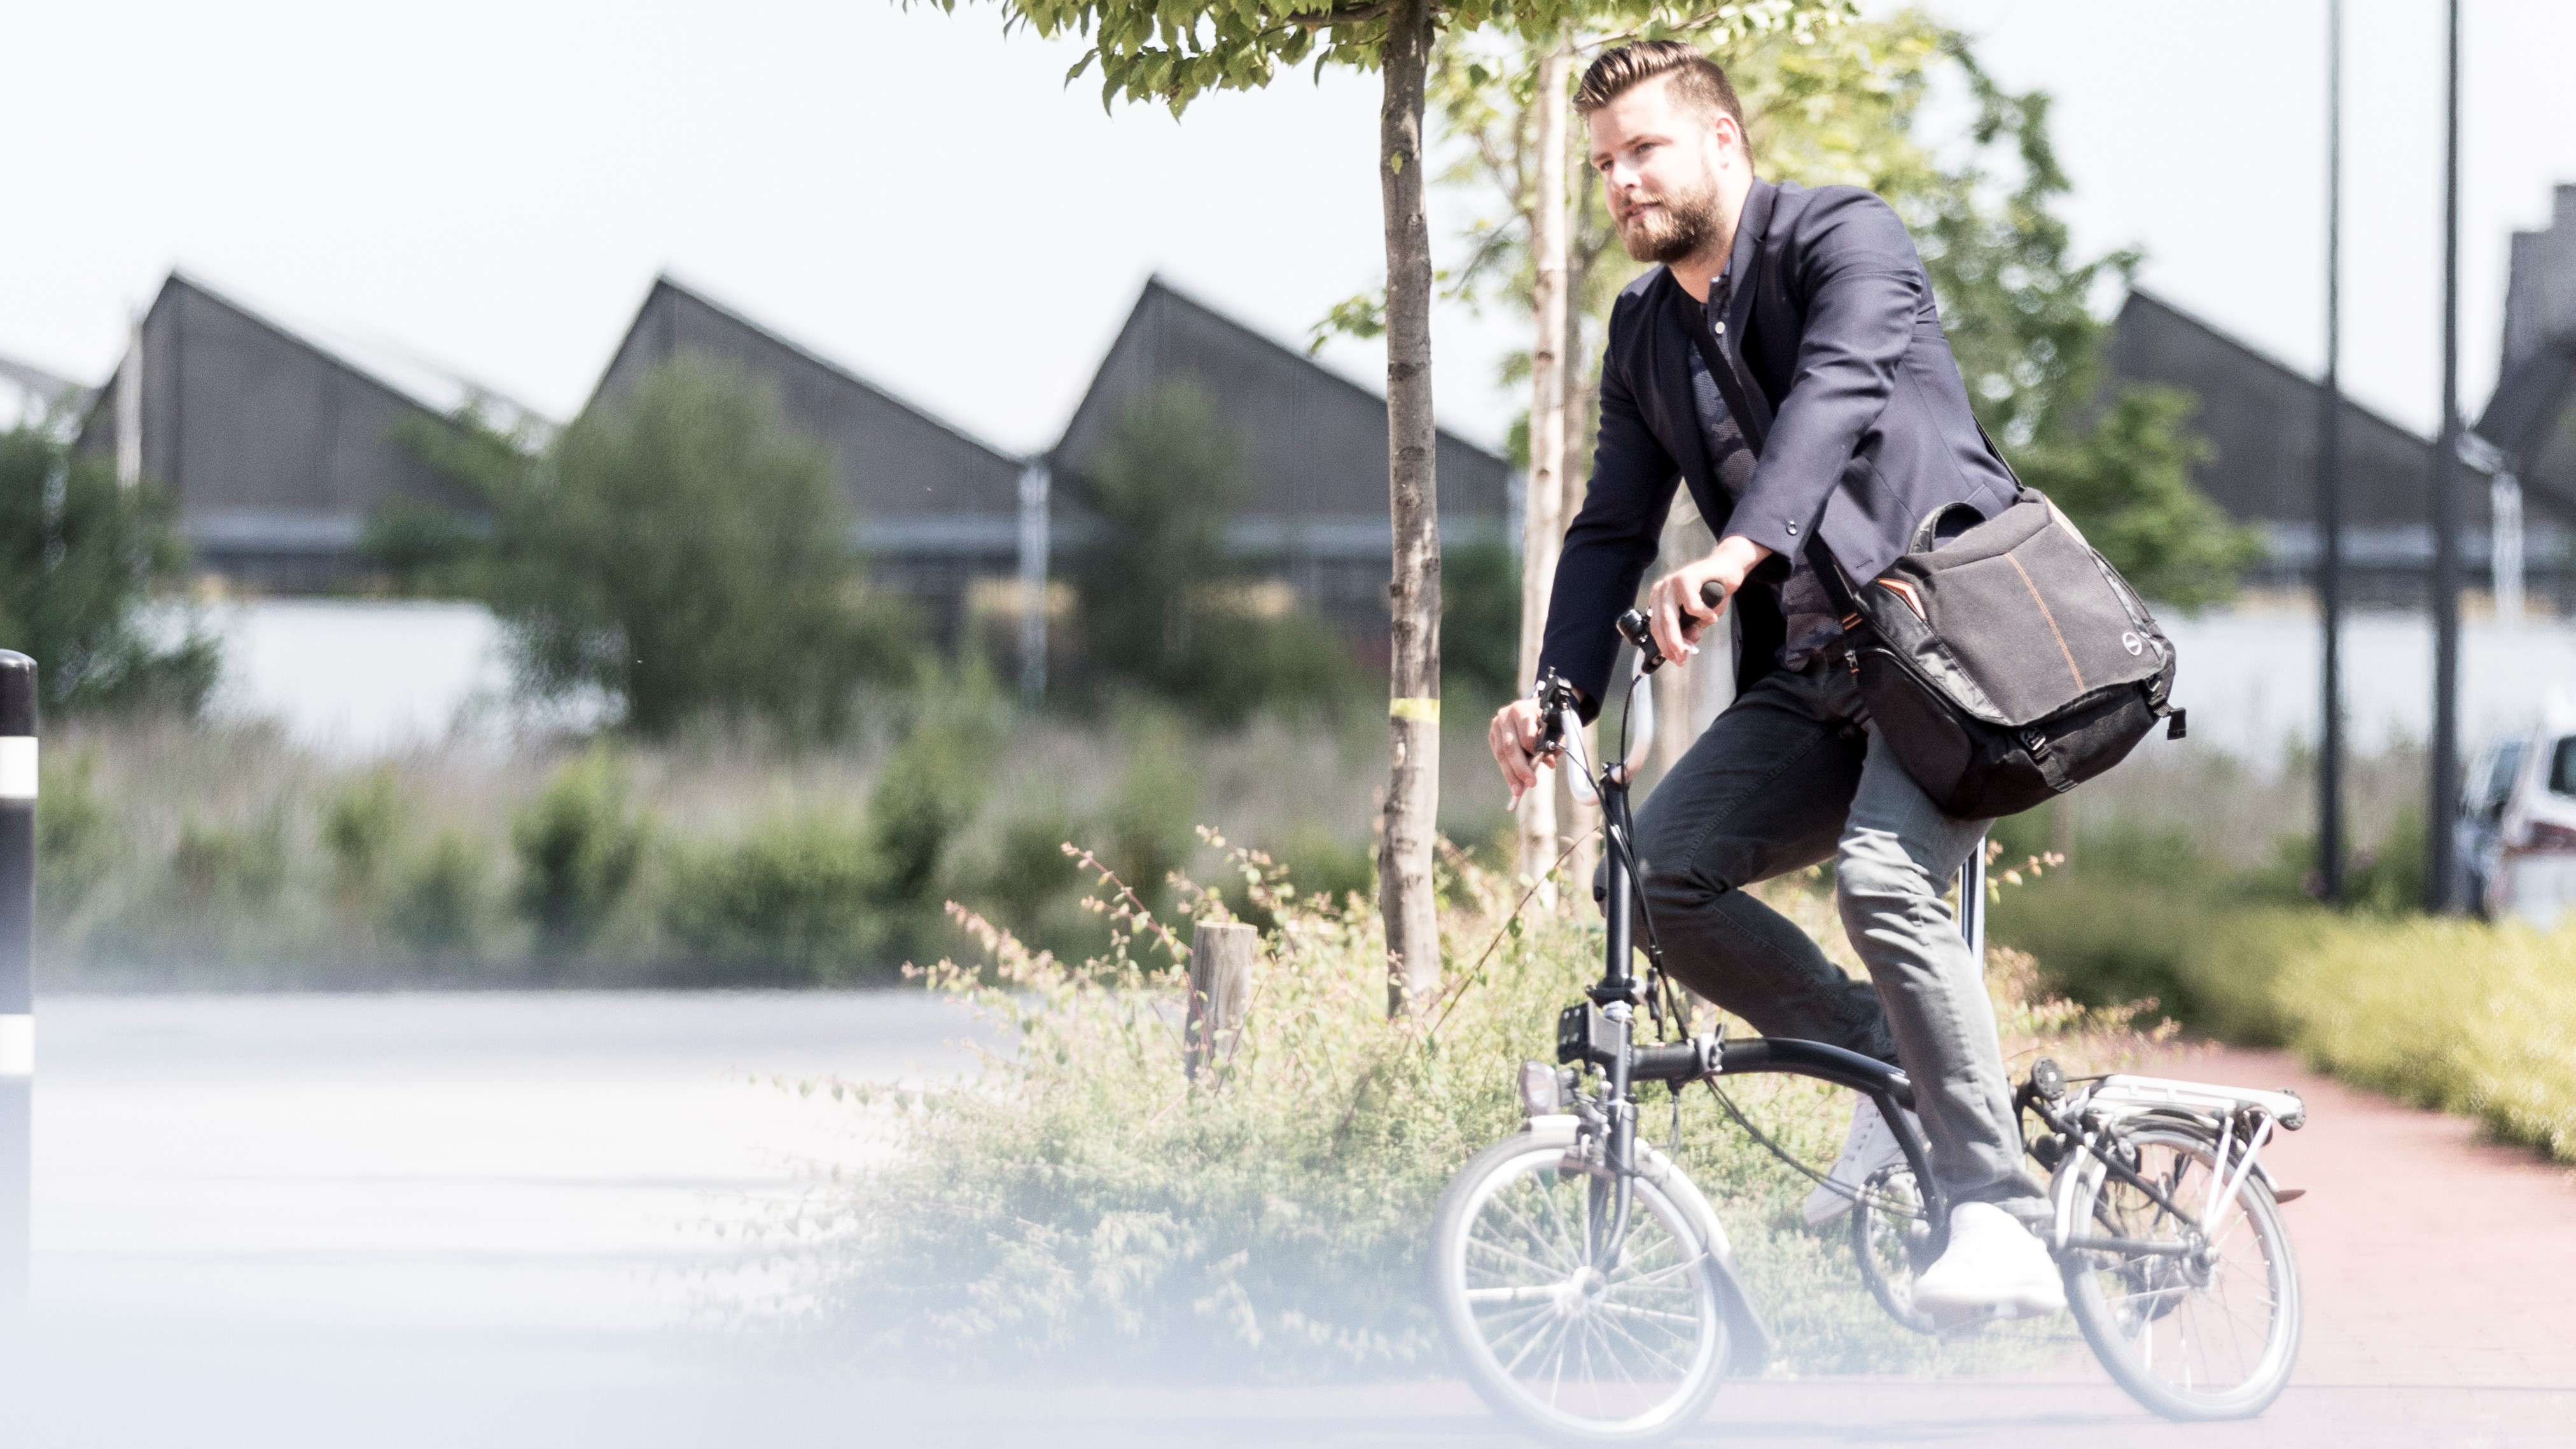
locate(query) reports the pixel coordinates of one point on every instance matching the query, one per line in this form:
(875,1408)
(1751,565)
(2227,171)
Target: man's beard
(1686,222)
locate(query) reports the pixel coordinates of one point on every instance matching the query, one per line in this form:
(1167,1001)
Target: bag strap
(1721,370)
(1730,386)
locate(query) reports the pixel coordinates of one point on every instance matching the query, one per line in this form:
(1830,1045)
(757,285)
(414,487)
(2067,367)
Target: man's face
(1659,161)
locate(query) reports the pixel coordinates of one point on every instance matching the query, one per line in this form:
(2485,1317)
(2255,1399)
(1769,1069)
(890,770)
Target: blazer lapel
(1744,273)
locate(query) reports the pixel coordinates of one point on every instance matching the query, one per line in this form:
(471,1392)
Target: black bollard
(17,971)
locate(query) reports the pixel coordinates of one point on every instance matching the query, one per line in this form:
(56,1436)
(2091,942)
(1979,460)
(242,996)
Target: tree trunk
(1543,513)
(1413,596)
(1577,821)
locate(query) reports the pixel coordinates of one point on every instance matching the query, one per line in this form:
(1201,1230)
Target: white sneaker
(1993,1268)
(1867,1147)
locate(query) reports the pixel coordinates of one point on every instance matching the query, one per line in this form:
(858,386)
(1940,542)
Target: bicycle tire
(1893,1249)
(2128,1306)
(1668,1281)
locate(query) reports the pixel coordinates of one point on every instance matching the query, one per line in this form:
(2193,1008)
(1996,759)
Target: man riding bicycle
(1817,301)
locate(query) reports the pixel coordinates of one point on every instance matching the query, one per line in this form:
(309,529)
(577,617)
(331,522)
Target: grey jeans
(1791,775)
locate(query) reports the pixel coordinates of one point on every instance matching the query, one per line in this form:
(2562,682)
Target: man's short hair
(1697,80)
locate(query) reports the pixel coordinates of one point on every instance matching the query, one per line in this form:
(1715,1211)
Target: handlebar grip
(1713,594)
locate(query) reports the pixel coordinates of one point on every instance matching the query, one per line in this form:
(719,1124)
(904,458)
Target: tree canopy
(80,556)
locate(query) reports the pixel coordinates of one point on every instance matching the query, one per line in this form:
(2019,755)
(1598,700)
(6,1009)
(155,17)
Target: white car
(2520,821)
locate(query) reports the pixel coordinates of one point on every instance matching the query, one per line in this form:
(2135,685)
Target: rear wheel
(2208,1326)
(1580,1343)
(1893,1239)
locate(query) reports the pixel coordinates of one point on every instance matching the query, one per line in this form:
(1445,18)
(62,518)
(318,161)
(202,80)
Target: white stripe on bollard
(17,767)
(17,1046)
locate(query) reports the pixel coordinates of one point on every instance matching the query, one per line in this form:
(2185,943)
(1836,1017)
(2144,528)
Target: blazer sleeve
(1854,270)
(1616,534)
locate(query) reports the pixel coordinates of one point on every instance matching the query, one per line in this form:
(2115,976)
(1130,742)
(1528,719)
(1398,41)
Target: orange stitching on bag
(2051,618)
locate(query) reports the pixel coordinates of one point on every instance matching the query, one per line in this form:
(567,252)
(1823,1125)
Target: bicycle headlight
(1540,1096)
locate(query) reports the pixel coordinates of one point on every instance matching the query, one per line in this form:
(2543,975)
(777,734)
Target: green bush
(80,555)
(931,787)
(1078,1205)
(442,907)
(792,901)
(683,552)
(1480,620)
(578,845)
(2454,1015)
(1165,607)
(360,822)
(75,839)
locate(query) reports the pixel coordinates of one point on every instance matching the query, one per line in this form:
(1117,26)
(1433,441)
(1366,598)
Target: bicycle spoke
(1540,1322)
(1525,1294)
(1536,1238)
(1542,1269)
(1655,1314)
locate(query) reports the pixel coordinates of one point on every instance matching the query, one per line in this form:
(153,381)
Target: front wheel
(2194,1325)
(1580,1341)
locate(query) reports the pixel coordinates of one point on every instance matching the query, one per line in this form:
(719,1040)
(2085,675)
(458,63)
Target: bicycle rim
(1618,1353)
(2205,1335)
(1890,1247)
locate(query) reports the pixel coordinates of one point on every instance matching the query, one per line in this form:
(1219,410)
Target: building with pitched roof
(1312,445)
(936,508)
(2261,418)
(277,444)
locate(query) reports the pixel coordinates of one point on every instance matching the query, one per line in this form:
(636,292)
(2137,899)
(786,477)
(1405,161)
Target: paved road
(515,1220)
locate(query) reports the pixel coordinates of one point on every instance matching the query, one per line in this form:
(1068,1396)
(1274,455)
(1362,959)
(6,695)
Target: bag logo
(2133,643)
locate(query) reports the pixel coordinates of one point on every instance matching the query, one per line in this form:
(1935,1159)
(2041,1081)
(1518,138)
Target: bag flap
(2028,612)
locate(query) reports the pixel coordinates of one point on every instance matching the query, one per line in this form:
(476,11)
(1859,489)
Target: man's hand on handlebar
(1515,736)
(1678,609)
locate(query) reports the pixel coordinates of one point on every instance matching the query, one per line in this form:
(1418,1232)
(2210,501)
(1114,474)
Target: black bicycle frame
(1624,1064)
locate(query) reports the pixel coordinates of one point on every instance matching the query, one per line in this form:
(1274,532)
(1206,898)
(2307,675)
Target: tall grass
(1081,1206)
(228,856)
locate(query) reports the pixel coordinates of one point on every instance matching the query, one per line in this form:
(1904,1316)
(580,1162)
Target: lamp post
(2330,851)
(2441,866)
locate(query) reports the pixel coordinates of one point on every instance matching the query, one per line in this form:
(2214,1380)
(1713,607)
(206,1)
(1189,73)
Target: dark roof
(902,469)
(273,444)
(44,386)
(1313,444)
(2261,418)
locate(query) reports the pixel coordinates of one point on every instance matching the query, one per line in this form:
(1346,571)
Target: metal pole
(1972,902)
(129,407)
(1033,583)
(17,972)
(2330,848)
(2504,502)
(2441,891)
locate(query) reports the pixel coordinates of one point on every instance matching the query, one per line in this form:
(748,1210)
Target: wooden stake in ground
(1220,990)
(1543,509)
(1413,595)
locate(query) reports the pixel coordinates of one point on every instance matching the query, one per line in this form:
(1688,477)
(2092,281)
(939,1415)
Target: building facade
(2262,419)
(277,447)
(1311,447)
(935,508)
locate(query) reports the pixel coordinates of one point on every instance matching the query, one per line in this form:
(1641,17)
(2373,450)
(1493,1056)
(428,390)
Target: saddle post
(1972,901)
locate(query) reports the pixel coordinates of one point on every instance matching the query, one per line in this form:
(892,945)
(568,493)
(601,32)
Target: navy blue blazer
(1832,325)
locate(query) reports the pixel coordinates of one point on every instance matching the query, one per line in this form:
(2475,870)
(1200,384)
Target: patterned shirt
(1813,625)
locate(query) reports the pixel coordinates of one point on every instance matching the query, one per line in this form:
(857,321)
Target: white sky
(494,185)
